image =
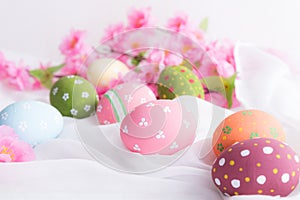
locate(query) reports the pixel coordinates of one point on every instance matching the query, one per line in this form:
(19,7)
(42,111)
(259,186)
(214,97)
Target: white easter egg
(102,71)
(34,121)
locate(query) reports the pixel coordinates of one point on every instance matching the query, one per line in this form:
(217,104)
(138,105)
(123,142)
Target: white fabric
(65,170)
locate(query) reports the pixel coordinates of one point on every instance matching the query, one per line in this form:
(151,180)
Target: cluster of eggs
(252,156)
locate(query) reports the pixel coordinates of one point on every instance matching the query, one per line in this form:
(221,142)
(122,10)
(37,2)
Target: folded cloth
(266,82)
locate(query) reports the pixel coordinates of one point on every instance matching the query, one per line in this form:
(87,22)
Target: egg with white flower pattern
(261,166)
(122,99)
(74,96)
(159,127)
(34,121)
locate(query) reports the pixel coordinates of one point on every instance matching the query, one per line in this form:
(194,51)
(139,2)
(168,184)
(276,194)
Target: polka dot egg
(74,96)
(178,80)
(243,125)
(122,99)
(257,166)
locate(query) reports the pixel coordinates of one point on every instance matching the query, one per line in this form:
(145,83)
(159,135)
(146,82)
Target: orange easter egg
(243,125)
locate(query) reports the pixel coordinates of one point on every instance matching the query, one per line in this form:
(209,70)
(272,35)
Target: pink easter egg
(158,127)
(261,166)
(122,99)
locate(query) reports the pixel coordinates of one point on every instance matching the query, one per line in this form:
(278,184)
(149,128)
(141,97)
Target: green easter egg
(74,96)
(177,81)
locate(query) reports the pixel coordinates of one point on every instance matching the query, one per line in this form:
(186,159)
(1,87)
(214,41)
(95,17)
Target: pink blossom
(138,18)
(219,59)
(12,149)
(165,58)
(178,23)
(73,44)
(112,31)
(75,65)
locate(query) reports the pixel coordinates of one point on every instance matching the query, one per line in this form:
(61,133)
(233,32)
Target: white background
(36,28)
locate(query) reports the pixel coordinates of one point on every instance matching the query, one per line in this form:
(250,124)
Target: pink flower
(138,18)
(12,149)
(112,31)
(74,66)
(178,23)
(73,44)
(219,59)
(165,58)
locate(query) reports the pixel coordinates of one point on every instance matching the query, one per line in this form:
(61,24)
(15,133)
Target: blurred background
(36,28)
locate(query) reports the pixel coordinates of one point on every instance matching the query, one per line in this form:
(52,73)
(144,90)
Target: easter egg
(102,71)
(74,96)
(244,125)
(122,99)
(260,166)
(34,121)
(158,127)
(178,80)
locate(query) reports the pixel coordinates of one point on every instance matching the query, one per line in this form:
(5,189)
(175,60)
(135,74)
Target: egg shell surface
(74,97)
(34,121)
(122,99)
(179,80)
(158,127)
(246,124)
(104,70)
(259,166)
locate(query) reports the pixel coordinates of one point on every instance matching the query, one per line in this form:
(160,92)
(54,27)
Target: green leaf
(204,24)
(224,86)
(138,58)
(45,76)
(55,68)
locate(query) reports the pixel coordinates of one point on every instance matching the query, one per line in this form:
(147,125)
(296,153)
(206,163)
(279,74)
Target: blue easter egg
(34,121)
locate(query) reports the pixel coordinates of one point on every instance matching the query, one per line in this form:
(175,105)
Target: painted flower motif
(26,106)
(186,123)
(4,116)
(167,109)
(99,108)
(160,135)
(65,97)
(85,95)
(106,122)
(78,82)
(12,149)
(125,129)
(23,125)
(174,145)
(136,147)
(150,104)
(74,112)
(87,108)
(128,98)
(143,122)
(54,91)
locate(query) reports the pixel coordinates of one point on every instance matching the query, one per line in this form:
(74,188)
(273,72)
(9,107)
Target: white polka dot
(268,150)
(217,181)
(235,183)
(222,162)
(261,179)
(285,177)
(296,158)
(245,153)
